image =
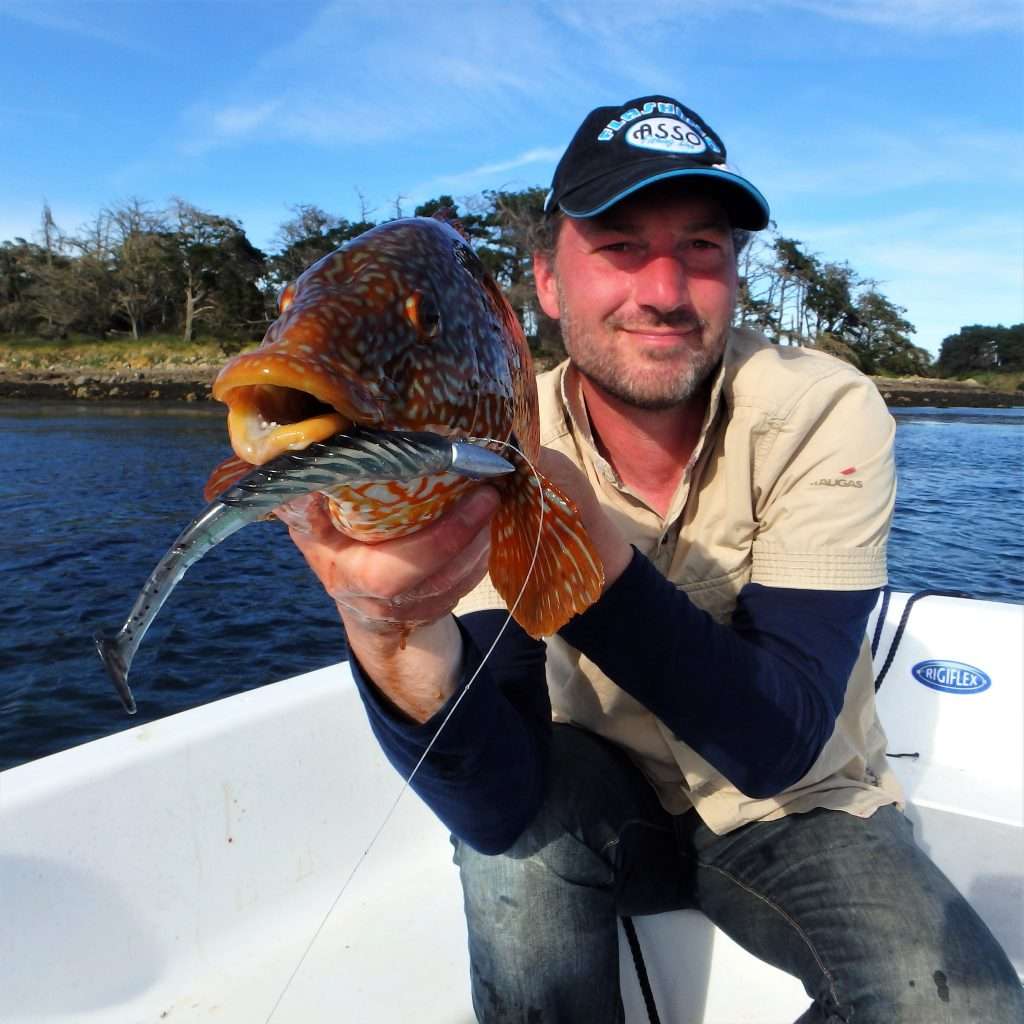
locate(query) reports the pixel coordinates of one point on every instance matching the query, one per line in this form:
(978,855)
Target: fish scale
(403,329)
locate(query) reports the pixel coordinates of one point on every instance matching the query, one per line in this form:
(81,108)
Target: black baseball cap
(619,150)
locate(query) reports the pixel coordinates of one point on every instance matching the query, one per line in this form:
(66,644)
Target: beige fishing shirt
(791,485)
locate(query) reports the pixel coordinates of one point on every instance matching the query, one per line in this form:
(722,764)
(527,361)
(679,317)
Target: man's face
(645,295)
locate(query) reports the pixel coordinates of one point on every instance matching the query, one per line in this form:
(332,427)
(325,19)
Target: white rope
(430,746)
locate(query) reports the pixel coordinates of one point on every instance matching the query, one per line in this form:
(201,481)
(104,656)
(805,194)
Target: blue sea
(93,495)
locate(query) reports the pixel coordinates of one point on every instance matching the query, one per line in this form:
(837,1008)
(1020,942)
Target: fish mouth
(277,403)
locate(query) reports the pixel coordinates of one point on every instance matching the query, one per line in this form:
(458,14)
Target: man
(715,743)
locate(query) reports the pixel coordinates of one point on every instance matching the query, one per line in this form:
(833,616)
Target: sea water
(92,496)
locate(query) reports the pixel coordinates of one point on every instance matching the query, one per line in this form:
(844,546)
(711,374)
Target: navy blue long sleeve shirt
(757,699)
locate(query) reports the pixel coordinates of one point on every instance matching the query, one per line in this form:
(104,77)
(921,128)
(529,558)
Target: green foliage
(310,234)
(135,271)
(797,299)
(835,346)
(979,348)
(139,272)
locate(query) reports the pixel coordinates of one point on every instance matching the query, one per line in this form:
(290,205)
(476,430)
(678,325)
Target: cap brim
(746,207)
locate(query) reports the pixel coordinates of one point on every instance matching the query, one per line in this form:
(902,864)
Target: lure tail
(360,456)
(215,523)
(116,651)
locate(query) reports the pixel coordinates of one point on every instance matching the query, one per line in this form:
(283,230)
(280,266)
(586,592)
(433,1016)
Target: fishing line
(406,783)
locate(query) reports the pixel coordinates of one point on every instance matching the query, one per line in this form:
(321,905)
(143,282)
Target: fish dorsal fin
(448,215)
(224,474)
(568,575)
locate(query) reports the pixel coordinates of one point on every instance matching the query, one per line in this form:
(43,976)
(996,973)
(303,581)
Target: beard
(654,379)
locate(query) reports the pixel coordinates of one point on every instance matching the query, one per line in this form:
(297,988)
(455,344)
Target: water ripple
(93,497)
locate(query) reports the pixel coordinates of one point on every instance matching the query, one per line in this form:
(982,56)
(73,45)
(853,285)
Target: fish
(356,456)
(402,328)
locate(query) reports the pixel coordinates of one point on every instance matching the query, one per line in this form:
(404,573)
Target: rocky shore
(192,384)
(914,391)
(170,383)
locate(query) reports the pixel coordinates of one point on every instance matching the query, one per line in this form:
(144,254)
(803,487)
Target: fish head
(399,329)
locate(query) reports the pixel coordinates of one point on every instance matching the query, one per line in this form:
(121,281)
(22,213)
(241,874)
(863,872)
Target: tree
(19,263)
(66,292)
(509,223)
(880,337)
(794,269)
(217,269)
(95,262)
(754,306)
(1010,347)
(140,250)
(143,270)
(979,347)
(55,293)
(309,235)
(829,297)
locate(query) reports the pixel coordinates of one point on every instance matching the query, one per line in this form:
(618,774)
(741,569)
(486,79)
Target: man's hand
(395,597)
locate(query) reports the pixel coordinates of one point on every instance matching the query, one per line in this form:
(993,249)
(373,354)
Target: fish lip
(335,386)
(255,386)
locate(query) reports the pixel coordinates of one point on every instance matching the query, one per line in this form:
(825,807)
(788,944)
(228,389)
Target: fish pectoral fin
(225,475)
(568,575)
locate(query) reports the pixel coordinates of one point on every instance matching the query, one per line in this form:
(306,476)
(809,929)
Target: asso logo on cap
(665,134)
(671,131)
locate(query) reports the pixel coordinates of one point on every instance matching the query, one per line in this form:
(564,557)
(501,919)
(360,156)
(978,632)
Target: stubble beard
(654,388)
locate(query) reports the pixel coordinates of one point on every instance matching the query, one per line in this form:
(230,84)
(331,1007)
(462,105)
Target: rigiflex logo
(951,676)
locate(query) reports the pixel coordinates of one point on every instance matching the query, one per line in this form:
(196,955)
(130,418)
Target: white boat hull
(178,871)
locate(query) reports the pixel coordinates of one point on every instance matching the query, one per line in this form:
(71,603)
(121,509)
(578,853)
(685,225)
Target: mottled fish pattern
(403,329)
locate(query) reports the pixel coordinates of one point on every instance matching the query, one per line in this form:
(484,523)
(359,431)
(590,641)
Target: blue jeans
(850,906)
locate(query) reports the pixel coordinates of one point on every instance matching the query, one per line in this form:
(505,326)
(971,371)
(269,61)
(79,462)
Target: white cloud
(539,155)
(356,73)
(241,120)
(613,17)
(297,118)
(56,17)
(938,16)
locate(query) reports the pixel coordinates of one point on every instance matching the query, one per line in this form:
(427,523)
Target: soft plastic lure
(357,456)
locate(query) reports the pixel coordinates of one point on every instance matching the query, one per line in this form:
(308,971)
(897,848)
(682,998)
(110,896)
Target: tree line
(137,270)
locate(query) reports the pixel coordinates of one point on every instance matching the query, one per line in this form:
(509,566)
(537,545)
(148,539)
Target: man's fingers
(421,565)
(306,515)
(470,561)
(395,567)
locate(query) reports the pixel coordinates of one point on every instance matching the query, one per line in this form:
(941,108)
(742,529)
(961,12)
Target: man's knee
(559,840)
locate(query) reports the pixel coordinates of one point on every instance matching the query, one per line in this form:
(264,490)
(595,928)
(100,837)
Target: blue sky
(889,133)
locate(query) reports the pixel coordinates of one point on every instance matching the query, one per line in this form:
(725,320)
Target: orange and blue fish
(395,364)
(403,329)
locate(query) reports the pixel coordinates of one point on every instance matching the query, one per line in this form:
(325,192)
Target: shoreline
(192,384)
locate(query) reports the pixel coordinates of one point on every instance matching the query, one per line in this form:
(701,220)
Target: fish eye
(284,297)
(422,312)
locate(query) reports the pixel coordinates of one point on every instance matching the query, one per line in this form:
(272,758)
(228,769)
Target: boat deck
(177,872)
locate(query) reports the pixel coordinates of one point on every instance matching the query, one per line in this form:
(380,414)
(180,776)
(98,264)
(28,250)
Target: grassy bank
(110,355)
(167,367)
(1012,381)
